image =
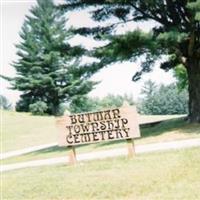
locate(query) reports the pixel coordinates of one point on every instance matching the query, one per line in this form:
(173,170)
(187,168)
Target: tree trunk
(193,70)
(55,108)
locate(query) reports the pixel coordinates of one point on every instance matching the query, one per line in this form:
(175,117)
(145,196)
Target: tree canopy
(174,37)
(48,68)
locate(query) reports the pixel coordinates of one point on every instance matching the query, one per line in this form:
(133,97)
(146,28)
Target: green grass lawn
(172,175)
(21,130)
(175,129)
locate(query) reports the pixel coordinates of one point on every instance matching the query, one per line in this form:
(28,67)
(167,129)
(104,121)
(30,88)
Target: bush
(163,100)
(38,108)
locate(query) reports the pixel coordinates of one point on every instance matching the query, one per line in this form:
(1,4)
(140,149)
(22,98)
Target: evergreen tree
(149,88)
(164,100)
(176,35)
(48,69)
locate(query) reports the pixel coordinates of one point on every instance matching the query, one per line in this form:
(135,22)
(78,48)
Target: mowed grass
(175,129)
(21,130)
(154,176)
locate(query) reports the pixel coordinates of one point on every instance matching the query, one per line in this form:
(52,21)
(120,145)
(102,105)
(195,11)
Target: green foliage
(170,36)
(48,68)
(163,100)
(181,75)
(195,6)
(111,101)
(82,104)
(175,36)
(38,108)
(121,45)
(4,103)
(149,89)
(86,104)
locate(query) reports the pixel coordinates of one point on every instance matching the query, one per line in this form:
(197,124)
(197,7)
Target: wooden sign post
(130,141)
(72,155)
(61,126)
(131,147)
(108,125)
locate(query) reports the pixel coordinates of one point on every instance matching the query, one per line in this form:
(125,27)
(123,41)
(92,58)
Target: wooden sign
(108,125)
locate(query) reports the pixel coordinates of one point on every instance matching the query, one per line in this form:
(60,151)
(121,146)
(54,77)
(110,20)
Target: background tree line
(155,100)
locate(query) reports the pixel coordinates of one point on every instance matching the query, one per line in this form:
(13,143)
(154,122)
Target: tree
(113,101)
(176,36)
(88,104)
(164,100)
(82,103)
(149,89)
(4,103)
(48,68)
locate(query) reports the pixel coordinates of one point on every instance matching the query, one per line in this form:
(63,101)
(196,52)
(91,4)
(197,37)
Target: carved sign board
(114,124)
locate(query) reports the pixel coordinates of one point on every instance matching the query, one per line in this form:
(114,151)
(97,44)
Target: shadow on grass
(98,145)
(180,125)
(57,149)
(162,127)
(159,128)
(51,149)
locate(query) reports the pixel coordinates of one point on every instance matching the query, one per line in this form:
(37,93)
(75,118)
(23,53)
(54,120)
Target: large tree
(175,37)
(48,69)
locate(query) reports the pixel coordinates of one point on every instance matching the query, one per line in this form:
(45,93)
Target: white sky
(115,79)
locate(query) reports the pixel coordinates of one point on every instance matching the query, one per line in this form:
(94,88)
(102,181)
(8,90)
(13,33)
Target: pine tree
(48,69)
(175,35)
(162,100)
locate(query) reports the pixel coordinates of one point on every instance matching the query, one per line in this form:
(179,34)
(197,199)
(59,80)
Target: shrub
(163,100)
(38,108)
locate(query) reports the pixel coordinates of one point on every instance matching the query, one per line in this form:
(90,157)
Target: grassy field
(40,130)
(154,176)
(20,130)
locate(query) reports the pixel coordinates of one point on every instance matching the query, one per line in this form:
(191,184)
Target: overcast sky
(114,79)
